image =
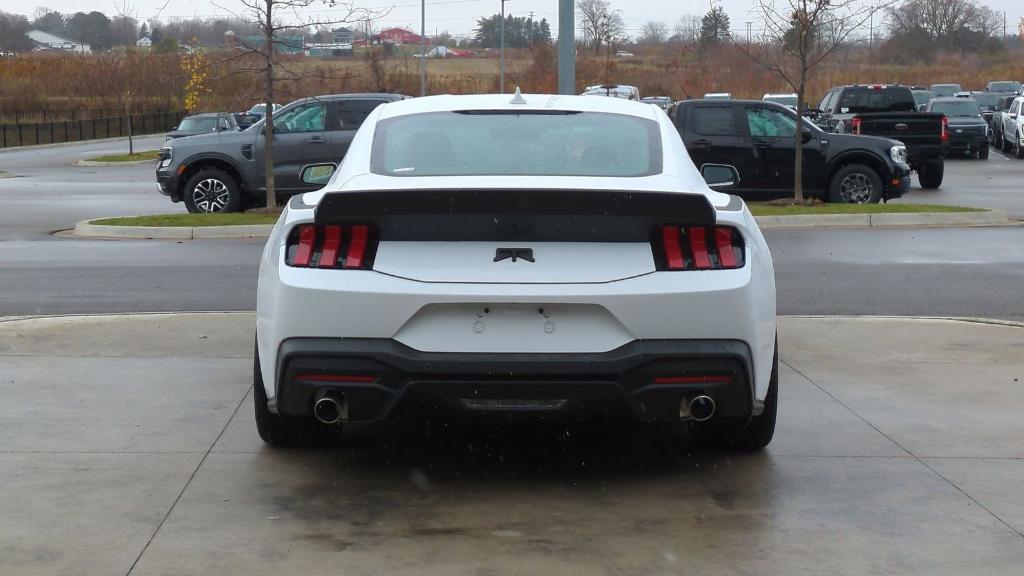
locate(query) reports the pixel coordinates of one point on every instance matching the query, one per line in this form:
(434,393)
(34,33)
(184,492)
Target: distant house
(144,42)
(397,36)
(46,41)
(341,36)
(320,50)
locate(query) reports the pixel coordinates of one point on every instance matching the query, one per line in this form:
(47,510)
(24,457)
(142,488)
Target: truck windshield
(856,100)
(198,124)
(1004,86)
(964,108)
(522,143)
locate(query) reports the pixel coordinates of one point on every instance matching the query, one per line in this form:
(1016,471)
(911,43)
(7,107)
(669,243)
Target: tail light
(945,129)
(332,246)
(698,248)
(855,123)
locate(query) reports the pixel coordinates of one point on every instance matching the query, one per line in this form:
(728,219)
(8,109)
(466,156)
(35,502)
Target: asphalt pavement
(905,271)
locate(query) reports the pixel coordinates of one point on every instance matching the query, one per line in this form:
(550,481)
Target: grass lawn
(144,155)
(230,219)
(763,209)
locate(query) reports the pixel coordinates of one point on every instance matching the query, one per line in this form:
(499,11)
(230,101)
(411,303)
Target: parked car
(623,91)
(663,102)
(921,96)
(987,101)
(225,171)
(757,139)
(260,110)
(784,99)
(541,257)
(623,54)
(943,90)
(203,123)
(968,131)
(1011,86)
(1013,127)
(244,119)
(995,125)
(717,96)
(889,111)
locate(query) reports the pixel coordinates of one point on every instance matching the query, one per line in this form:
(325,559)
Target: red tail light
(332,246)
(945,129)
(699,248)
(855,123)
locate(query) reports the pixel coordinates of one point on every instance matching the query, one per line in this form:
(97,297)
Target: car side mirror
(719,175)
(317,174)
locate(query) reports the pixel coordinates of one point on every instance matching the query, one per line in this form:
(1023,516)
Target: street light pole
(566,47)
(501,82)
(423,47)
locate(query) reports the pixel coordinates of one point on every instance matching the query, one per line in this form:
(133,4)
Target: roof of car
(448,103)
(952,99)
(374,95)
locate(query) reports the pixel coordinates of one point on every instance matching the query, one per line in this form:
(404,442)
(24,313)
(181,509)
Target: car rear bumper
(648,380)
(967,142)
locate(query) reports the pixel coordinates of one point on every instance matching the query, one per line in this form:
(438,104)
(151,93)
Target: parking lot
(127,442)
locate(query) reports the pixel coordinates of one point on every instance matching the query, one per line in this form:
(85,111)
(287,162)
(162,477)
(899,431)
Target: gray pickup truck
(891,112)
(224,171)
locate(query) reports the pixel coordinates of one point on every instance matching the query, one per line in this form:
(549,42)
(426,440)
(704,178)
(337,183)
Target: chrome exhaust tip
(328,410)
(702,408)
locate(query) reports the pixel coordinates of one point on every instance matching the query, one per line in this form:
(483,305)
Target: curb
(921,219)
(126,163)
(87,230)
(74,142)
(986,218)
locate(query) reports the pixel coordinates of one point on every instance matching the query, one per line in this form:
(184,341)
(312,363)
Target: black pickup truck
(889,111)
(758,140)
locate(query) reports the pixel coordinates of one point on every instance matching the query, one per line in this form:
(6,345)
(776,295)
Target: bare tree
(601,24)
(274,19)
(653,32)
(798,36)
(686,29)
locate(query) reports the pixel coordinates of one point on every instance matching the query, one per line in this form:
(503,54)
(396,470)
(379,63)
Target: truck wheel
(930,174)
(855,184)
(284,431)
(983,153)
(212,190)
(1020,151)
(1003,144)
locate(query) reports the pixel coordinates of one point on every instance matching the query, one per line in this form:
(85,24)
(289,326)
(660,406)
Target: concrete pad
(220,335)
(65,404)
(933,409)
(814,220)
(994,482)
(985,218)
(278,512)
(84,514)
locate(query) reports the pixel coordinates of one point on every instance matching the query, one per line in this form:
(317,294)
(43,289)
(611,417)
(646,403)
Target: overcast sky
(455,16)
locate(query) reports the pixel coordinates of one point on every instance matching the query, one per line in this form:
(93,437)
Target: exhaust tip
(327,410)
(702,408)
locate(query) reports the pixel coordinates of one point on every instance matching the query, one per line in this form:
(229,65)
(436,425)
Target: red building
(397,36)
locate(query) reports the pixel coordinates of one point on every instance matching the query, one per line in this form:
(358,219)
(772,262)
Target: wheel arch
(857,157)
(216,161)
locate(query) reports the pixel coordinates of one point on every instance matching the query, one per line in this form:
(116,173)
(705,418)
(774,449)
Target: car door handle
(316,140)
(761,142)
(701,143)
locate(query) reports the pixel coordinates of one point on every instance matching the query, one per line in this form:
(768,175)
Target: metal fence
(55,131)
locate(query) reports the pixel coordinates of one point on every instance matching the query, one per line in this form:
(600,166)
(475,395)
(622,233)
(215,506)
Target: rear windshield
(855,100)
(965,108)
(198,124)
(1004,86)
(784,100)
(984,99)
(923,96)
(946,89)
(528,143)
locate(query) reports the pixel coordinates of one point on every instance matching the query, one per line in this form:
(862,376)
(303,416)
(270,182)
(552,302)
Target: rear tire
(212,190)
(1004,145)
(930,174)
(285,431)
(855,184)
(983,153)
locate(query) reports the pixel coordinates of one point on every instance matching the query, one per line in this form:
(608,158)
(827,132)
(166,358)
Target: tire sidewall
(834,189)
(234,203)
(931,173)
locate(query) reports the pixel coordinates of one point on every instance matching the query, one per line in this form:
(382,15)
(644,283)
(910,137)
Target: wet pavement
(127,446)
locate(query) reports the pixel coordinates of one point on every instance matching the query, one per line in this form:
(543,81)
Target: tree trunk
(268,115)
(798,157)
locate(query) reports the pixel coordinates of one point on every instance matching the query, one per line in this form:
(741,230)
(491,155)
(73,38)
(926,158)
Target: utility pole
(748,32)
(501,56)
(871,31)
(423,47)
(529,33)
(566,47)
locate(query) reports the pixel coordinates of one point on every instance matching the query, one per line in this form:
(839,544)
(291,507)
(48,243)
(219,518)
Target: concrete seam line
(113,314)
(966,319)
(189,481)
(902,447)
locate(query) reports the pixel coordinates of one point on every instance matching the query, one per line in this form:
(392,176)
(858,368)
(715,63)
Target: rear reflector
(699,248)
(693,380)
(336,378)
(331,246)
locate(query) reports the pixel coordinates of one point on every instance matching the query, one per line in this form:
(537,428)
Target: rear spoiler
(515,215)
